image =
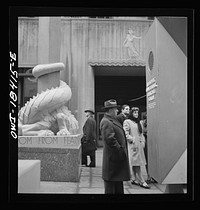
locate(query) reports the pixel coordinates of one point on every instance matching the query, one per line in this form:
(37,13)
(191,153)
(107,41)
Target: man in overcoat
(89,139)
(115,166)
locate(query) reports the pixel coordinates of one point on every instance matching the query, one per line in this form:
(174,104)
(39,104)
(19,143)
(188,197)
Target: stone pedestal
(60,156)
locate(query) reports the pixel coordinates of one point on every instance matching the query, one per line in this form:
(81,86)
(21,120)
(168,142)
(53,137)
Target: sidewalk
(92,183)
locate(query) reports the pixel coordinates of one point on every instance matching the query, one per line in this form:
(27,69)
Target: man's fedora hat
(110,104)
(90,110)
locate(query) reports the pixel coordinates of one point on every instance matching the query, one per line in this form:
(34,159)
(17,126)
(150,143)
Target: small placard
(151,93)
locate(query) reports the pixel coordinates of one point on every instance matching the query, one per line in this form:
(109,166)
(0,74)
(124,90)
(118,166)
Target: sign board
(151,92)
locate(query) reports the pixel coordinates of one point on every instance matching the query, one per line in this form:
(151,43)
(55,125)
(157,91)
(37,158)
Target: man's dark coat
(115,154)
(121,118)
(89,135)
(89,129)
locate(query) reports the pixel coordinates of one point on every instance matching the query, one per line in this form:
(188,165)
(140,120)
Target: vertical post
(49,42)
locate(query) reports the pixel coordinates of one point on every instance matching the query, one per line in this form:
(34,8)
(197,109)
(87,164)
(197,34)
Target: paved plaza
(92,183)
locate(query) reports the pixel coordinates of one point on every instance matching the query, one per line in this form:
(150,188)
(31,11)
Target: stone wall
(60,156)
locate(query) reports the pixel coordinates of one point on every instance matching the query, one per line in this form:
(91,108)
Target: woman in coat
(136,144)
(115,167)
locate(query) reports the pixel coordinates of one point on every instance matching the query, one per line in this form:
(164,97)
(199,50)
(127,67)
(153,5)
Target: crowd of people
(124,138)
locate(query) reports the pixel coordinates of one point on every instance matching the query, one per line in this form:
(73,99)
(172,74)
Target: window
(27,86)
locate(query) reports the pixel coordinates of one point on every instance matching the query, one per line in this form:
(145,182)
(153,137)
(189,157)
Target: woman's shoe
(135,182)
(150,180)
(145,185)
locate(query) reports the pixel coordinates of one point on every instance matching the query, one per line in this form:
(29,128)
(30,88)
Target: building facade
(92,49)
(136,61)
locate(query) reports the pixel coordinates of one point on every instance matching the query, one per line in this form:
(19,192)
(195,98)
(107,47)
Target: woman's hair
(123,107)
(136,120)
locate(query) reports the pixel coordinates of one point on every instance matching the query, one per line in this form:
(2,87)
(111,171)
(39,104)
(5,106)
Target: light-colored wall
(93,40)
(28,29)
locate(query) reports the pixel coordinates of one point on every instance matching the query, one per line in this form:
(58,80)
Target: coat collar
(114,120)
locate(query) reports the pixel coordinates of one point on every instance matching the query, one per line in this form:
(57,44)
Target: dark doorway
(126,89)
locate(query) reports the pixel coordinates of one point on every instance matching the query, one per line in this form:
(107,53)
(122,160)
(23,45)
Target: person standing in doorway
(115,166)
(144,130)
(124,113)
(136,144)
(88,140)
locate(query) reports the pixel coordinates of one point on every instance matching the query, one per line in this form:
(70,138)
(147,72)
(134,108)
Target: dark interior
(122,88)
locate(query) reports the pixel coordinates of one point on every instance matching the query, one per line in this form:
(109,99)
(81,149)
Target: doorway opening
(125,84)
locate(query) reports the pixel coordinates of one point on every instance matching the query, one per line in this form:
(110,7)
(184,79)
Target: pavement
(91,182)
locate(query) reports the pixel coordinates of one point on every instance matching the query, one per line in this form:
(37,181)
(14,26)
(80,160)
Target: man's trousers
(113,187)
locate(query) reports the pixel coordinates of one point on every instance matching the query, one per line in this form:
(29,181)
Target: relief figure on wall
(129,43)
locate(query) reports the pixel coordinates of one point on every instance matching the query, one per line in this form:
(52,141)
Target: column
(49,40)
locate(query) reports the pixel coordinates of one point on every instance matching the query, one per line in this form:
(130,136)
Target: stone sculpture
(129,43)
(46,114)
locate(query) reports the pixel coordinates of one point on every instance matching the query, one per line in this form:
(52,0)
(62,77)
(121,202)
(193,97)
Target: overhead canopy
(117,62)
